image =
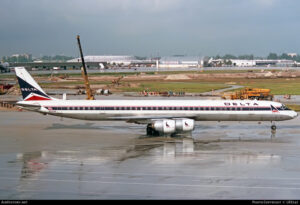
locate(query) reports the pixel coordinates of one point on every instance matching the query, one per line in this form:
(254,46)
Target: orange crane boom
(89,94)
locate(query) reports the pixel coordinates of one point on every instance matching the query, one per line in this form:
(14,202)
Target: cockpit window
(283,107)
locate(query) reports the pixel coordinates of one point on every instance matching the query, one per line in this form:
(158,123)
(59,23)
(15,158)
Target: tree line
(271,56)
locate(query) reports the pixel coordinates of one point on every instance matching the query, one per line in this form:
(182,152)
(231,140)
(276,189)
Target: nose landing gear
(273,131)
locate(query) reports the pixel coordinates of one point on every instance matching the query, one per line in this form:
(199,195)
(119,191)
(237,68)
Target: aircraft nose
(295,114)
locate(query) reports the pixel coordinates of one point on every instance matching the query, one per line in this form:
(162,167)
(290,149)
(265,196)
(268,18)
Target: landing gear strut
(151,131)
(273,126)
(273,131)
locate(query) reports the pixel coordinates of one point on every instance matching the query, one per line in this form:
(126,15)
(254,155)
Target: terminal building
(251,63)
(111,59)
(92,62)
(181,61)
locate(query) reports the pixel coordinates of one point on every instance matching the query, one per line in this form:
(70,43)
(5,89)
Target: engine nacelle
(184,125)
(164,126)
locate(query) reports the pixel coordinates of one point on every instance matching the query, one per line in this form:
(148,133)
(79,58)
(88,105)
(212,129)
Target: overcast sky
(149,27)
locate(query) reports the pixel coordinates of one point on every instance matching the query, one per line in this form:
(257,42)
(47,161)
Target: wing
(150,118)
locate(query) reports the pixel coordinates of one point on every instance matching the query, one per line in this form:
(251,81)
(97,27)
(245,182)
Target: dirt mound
(178,77)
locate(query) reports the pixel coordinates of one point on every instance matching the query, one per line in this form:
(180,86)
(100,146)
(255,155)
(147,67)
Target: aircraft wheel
(273,127)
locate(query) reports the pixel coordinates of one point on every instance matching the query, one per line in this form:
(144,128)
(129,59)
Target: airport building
(110,59)
(251,63)
(243,63)
(115,60)
(180,61)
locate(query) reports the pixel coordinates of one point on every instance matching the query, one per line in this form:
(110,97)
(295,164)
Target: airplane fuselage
(144,110)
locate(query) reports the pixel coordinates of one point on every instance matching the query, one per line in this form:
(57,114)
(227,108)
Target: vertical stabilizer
(29,87)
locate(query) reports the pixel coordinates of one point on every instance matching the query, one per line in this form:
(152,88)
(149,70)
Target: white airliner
(161,116)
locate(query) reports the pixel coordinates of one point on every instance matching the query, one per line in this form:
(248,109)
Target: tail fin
(29,88)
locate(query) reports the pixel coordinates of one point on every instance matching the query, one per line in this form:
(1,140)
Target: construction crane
(89,94)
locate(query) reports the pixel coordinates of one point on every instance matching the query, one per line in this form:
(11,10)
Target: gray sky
(149,27)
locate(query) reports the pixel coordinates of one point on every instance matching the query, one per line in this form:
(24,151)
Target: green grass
(294,107)
(176,87)
(278,86)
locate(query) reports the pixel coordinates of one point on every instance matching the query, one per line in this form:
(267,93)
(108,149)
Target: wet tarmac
(44,157)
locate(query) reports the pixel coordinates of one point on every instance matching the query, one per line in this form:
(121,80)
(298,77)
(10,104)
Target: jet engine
(184,125)
(164,126)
